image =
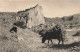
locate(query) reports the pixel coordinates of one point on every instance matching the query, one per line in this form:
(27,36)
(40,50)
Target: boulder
(34,16)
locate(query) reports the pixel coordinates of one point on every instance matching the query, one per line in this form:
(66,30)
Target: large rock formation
(33,16)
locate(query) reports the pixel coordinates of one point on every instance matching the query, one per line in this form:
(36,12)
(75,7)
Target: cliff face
(34,16)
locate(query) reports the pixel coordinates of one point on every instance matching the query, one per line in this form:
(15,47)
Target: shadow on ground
(20,24)
(77,33)
(65,46)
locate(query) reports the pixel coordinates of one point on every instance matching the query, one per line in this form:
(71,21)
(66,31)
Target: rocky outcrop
(34,16)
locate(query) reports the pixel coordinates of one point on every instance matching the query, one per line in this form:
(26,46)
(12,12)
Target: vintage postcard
(39,25)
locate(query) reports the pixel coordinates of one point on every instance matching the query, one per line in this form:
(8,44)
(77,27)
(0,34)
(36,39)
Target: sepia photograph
(39,25)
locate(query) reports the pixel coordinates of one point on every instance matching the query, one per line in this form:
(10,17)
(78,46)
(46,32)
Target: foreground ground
(27,41)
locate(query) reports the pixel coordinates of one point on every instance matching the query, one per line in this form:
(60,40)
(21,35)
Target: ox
(55,33)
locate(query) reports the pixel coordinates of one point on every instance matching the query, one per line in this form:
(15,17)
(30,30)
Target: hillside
(23,41)
(67,21)
(27,41)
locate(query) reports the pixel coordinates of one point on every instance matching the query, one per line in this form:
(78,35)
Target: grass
(32,41)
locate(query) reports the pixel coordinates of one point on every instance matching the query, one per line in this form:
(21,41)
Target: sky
(51,8)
